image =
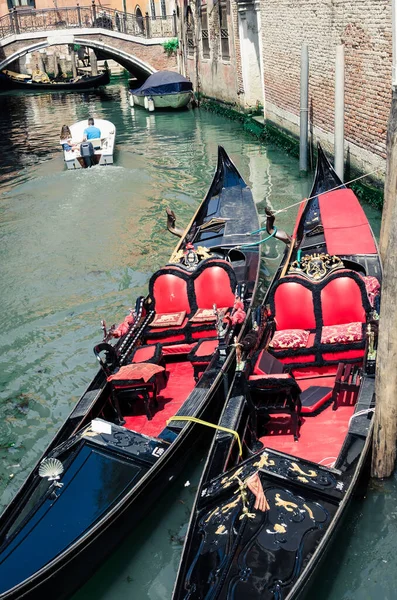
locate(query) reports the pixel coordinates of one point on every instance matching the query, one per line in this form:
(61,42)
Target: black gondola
(86,82)
(273,493)
(128,436)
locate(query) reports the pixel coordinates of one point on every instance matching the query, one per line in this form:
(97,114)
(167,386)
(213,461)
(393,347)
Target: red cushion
(213,286)
(170,294)
(198,335)
(341,334)
(290,338)
(136,371)
(346,227)
(165,340)
(144,353)
(178,349)
(305,358)
(174,319)
(203,315)
(372,286)
(206,347)
(348,354)
(294,307)
(341,302)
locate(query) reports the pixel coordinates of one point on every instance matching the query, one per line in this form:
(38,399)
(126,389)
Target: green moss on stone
(276,135)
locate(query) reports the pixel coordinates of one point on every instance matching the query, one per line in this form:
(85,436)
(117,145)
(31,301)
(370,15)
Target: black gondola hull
(54,537)
(235,550)
(7,83)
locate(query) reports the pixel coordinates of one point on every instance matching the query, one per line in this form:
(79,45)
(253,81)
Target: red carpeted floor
(321,437)
(180,384)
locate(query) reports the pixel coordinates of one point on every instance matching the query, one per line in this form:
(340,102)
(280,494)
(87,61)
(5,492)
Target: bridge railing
(31,20)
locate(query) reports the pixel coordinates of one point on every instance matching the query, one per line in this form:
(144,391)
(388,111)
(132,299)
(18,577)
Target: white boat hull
(166,101)
(103,155)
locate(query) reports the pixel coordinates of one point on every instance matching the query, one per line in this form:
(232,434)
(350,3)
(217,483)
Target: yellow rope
(218,427)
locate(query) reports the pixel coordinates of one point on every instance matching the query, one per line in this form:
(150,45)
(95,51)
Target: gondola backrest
(293,306)
(214,283)
(342,301)
(297,303)
(168,288)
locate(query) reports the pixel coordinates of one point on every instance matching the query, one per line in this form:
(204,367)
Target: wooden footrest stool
(347,381)
(201,355)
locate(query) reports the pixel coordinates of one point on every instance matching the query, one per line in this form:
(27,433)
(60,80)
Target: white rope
(327,458)
(360,413)
(331,190)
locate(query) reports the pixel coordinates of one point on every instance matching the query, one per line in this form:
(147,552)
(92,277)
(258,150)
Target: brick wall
(364,27)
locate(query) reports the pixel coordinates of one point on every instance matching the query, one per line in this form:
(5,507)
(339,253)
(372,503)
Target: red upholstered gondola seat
(180,294)
(302,307)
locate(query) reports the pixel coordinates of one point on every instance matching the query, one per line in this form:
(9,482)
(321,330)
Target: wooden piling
(385,423)
(93,63)
(73,59)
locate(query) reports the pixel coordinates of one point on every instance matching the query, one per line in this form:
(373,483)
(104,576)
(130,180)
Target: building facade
(247,52)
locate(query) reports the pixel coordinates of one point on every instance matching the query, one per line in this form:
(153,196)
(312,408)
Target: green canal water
(79,246)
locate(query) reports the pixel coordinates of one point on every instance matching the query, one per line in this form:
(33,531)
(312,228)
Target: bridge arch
(139,56)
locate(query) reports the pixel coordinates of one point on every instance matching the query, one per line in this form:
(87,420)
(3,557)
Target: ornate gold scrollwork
(264,461)
(316,266)
(227,481)
(279,528)
(221,529)
(309,511)
(296,468)
(289,506)
(181,255)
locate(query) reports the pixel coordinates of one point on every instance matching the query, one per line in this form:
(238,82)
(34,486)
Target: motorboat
(98,151)
(163,89)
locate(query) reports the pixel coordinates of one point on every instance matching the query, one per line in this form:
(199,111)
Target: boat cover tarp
(164,82)
(346,227)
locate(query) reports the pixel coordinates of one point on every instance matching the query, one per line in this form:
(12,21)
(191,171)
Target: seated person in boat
(39,76)
(91,132)
(66,139)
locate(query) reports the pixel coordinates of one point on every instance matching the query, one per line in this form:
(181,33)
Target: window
(139,19)
(204,33)
(152,9)
(190,33)
(224,31)
(12,3)
(163,9)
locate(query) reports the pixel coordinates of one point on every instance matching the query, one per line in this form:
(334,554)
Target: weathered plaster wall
(217,76)
(364,27)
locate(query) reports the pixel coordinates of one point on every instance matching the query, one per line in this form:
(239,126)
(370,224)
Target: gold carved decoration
(296,468)
(220,530)
(316,267)
(201,251)
(227,481)
(289,506)
(264,461)
(279,528)
(309,511)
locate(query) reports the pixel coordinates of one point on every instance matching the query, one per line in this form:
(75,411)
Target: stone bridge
(134,42)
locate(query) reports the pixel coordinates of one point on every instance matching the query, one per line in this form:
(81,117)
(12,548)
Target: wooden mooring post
(385,424)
